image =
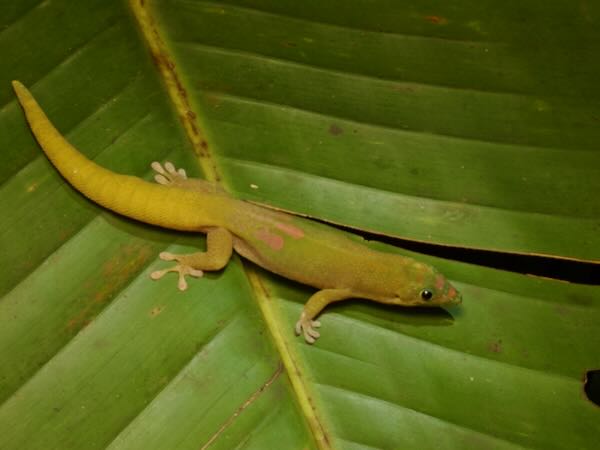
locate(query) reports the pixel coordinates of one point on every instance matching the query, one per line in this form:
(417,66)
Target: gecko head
(430,288)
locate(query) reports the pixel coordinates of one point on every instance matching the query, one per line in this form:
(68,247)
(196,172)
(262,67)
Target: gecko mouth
(457,300)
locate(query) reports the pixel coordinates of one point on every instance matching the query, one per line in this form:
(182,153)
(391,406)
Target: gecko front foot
(307,327)
(181,268)
(168,174)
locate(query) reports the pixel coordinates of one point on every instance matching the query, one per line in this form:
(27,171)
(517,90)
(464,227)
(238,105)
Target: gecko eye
(426,295)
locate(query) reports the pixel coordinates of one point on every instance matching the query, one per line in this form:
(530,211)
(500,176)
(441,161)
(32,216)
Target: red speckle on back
(451,292)
(290,230)
(439,282)
(272,240)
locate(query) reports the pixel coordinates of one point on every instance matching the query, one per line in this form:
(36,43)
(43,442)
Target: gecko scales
(294,247)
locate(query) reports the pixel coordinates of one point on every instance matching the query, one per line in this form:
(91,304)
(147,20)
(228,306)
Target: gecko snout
(454,297)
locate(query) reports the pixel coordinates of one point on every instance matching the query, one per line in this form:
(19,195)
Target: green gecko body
(291,246)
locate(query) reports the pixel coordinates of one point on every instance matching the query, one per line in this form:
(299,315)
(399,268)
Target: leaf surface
(438,123)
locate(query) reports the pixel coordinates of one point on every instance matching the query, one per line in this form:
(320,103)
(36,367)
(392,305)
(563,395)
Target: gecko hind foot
(168,174)
(307,327)
(180,268)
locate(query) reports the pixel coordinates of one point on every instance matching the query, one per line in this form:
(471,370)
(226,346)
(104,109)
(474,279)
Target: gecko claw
(181,269)
(168,174)
(307,327)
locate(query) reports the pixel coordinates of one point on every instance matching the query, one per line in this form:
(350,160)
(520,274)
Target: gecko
(294,247)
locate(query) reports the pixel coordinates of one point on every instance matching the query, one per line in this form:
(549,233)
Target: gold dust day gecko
(291,246)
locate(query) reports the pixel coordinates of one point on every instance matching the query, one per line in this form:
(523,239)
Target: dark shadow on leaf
(591,386)
(541,266)
(390,315)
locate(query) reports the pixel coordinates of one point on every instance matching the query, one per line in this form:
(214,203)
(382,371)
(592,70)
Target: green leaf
(472,124)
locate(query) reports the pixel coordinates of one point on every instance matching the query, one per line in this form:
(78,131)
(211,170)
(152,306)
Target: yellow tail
(166,206)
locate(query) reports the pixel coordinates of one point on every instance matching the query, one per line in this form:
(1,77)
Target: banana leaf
(469,125)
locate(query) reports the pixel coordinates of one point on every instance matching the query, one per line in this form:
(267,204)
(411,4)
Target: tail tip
(19,89)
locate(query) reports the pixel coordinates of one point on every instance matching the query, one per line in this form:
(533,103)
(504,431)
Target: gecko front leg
(306,325)
(219,247)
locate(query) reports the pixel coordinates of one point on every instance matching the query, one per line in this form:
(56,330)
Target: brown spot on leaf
(335,129)
(436,20)
(156,311)
(194,128)
(202,149)
(496,346)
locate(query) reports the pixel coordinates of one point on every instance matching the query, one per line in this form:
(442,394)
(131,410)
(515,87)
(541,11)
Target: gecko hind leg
(219,247)
(306,325)
(168,175)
